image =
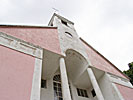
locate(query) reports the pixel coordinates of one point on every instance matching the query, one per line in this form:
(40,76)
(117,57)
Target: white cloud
(105,24)
(109,27)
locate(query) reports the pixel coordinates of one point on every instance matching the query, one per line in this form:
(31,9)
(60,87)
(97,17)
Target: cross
(56,10)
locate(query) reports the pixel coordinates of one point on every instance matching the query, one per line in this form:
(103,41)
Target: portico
(74,73)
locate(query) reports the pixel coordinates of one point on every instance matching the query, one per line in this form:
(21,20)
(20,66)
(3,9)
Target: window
(69,34)
(57,88)
(63,22)
(93,93)
(82,92)
(43,83)
(51,24)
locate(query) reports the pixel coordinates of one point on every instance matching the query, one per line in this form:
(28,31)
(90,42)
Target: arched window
(68,34)
(57,88)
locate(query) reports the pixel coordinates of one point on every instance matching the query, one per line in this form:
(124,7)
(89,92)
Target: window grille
(82,92)
(57,78)
(57,88)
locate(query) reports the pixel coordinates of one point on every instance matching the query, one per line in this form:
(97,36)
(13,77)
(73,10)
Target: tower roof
(64,19)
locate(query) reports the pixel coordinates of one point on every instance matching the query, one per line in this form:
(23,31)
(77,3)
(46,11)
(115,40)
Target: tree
(129,72)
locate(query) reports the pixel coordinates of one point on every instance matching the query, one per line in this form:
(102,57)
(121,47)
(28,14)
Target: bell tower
(68,36)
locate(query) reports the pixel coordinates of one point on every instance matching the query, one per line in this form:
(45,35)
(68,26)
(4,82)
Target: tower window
(69,34)
(93,93)
(43,84)
(82,92)
(51,24)
(63,22)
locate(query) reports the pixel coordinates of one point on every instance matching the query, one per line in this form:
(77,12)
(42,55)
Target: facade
(54,63)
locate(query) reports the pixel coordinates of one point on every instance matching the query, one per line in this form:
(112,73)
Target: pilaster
(64,80)
(95,84)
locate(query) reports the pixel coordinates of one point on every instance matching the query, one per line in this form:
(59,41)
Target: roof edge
(103,57)
(32,26)
(60,17)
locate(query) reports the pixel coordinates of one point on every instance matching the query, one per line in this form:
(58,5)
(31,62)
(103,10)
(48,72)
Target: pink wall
(99,62)
(16,74)
(126,92)
(45,37)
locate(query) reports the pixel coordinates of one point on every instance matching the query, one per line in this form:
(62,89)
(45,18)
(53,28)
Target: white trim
(20,45)
(116,79)
(95,85)
(117,91)
(64,80)
(27,48)
(36,82)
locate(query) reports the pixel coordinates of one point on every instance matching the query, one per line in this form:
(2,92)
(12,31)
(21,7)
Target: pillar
(95,84)
(64,80)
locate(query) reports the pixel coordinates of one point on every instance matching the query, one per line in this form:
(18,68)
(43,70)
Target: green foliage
(129,72)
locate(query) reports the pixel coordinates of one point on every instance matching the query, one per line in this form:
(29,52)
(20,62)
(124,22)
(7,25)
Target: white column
(95,84)
(64,80)
(36,82)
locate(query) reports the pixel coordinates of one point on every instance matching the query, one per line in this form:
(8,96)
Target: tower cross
(55,10)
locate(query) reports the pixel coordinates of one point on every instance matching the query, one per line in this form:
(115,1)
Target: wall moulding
(20,45)
(119,80)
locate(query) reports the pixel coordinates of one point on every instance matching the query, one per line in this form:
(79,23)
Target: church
(53,63)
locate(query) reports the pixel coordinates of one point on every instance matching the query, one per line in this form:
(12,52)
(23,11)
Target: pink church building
(54,63)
